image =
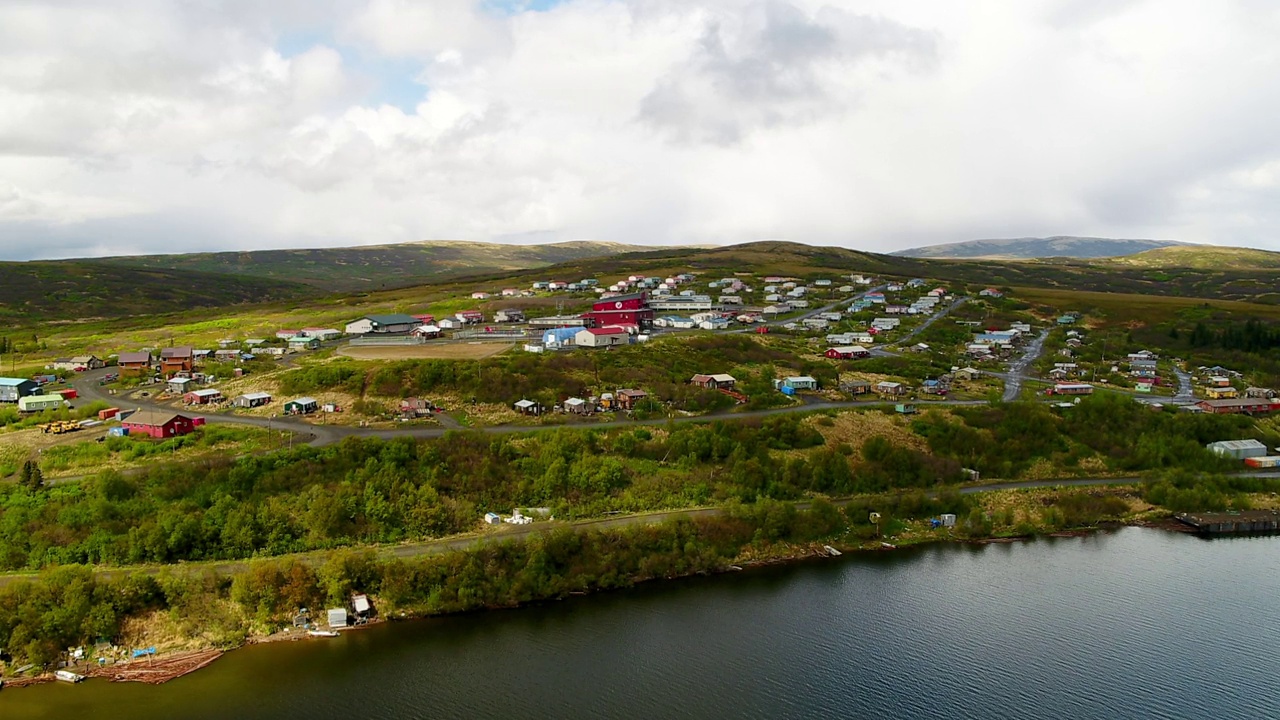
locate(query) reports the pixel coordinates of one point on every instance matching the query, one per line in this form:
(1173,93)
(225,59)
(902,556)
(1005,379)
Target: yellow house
(1221,393)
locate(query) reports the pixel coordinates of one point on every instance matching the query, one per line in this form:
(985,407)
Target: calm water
(1132,624)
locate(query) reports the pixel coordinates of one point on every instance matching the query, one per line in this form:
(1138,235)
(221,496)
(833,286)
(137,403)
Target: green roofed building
(393,324)
(36,403)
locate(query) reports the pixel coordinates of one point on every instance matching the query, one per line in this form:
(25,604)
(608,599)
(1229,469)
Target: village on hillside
(905,343)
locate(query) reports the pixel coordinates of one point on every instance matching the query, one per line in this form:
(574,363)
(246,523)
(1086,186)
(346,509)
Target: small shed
(202,397)
(855,387)
(527,407)
(178,385)
(361,604)
(252,400)
(338,617)
(301,406)
(577,406)
(493,518)
(890,388)
(800,382)
(416,406)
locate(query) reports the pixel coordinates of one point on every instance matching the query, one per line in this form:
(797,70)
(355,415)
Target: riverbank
(212,613)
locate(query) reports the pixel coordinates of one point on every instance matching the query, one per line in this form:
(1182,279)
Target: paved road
(1018,368)
(318,435)
(1185,392)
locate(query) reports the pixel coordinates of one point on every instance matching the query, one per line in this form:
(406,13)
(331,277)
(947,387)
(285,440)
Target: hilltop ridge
(1030,248)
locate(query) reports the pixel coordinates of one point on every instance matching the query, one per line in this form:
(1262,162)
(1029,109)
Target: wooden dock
(1227,523)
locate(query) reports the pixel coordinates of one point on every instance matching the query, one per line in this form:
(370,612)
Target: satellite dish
(874,517)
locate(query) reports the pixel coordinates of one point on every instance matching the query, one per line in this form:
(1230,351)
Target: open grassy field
(1203,257)
(66,291)
(375,267)
(439,351)
(1127,308)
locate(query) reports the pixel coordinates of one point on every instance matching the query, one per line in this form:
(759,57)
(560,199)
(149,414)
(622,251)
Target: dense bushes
(1004,440)
(67,607)
(314,378)
(662,367)
(373,491)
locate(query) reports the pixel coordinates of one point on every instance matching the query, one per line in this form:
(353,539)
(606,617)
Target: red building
(159,424)
(847,352)
(621,310)
(1242,406)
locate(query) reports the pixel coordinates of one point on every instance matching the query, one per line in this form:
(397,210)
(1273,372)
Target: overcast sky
(157,126)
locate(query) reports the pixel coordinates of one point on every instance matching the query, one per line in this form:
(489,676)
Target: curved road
(87,387)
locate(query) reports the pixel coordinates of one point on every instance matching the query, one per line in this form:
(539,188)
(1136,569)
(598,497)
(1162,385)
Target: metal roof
(1237,445)
(392,319)
(152,418)
(12,382)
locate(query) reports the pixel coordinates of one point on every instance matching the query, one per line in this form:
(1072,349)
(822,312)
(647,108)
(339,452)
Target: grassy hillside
(70,290)
(1060,246)
(377,266)
(1259,286)
(1201,257)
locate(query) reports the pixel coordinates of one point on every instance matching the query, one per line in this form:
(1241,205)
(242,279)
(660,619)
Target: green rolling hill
(375,267)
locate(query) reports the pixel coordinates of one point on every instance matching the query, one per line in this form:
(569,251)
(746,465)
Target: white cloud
(152,126)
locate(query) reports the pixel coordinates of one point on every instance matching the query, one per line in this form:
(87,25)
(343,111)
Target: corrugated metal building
(1238,449)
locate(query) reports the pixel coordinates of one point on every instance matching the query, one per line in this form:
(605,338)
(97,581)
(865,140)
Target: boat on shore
(323,633)
(68,676)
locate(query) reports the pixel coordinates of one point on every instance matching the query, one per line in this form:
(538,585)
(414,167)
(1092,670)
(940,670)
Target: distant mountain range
(1030,248)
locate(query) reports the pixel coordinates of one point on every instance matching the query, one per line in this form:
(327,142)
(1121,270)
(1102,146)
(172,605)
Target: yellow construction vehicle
(58,427)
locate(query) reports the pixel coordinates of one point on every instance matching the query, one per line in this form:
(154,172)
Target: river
(1127,624)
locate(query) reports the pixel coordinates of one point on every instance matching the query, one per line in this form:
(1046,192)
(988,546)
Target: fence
(386,341)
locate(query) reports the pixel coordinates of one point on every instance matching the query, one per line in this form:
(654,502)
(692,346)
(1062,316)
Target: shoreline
(171,666)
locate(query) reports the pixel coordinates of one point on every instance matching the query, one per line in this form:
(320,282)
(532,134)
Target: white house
(602,337)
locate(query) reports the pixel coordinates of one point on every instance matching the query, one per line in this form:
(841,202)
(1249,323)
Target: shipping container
(1269,461)
(108,414)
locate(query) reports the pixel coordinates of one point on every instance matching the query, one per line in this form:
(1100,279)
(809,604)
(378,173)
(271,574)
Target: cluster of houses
(29,395)
(623,399)
(423,325)
(990,344)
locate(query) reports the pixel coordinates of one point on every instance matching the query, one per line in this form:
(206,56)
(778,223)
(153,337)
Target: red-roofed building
(160,424)
(620,310)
